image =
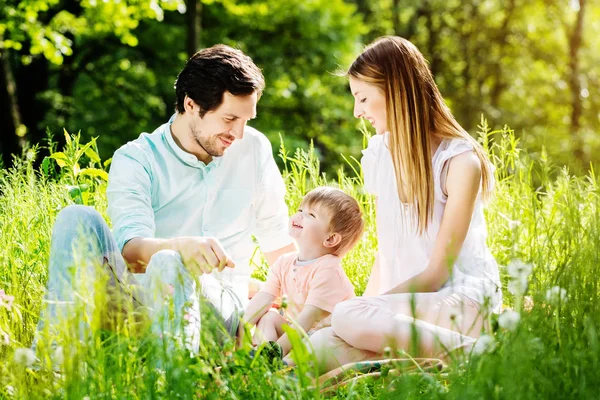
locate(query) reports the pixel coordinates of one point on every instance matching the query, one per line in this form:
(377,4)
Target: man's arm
(199,254)
(307,318)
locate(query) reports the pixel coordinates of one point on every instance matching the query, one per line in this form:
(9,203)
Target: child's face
(309,226)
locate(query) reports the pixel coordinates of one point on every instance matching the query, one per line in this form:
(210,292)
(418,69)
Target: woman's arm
(372,288)
(462,185)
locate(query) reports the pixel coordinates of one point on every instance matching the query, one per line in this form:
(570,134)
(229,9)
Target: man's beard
(212,145)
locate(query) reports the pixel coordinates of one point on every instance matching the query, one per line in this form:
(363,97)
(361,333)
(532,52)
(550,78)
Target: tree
(37,34)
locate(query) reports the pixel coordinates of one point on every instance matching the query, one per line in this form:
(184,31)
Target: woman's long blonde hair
(416,112)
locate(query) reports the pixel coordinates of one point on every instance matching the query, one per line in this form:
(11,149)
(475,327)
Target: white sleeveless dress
(403,253)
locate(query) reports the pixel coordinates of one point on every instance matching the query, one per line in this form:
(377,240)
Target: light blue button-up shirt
(156,189)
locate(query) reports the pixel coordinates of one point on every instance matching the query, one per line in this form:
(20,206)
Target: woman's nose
(357,111)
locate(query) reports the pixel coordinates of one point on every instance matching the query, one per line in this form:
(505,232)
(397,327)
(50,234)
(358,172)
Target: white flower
(4,338)
(514,224)
(518,286)
(485,344)
(509,320)
(24,356)
(58,357)
(6,300)
(556,295)
(518,269)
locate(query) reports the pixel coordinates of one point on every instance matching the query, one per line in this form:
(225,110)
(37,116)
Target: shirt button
(294,270)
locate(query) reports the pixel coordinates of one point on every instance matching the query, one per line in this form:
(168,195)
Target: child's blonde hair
(344,212)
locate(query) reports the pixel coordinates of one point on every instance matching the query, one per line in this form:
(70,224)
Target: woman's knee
(349,316)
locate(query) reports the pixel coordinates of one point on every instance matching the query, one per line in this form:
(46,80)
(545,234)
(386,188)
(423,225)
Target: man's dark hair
(211,72)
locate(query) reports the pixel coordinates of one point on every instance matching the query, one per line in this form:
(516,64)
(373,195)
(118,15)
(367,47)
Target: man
(184,202)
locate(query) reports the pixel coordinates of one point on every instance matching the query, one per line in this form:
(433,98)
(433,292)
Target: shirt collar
(183,155)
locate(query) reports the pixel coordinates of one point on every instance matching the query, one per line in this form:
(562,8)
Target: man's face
(219,128)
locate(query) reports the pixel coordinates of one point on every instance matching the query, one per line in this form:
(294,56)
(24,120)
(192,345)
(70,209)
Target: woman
(434,278)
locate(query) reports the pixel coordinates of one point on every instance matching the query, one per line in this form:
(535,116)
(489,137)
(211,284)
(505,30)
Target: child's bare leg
(269,327)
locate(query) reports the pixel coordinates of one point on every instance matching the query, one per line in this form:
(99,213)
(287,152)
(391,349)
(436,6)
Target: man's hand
(202,255)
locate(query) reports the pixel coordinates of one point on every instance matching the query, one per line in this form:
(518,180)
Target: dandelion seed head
(509,320)
(556,295)
(485,344)
(24,357)
(518,269)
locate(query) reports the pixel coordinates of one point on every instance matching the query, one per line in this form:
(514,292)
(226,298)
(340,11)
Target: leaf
(94,173)
(60,157)
(83,149)
(76,169)
(92,155)
(46,165)
(107,162)
(75,193)
(67,137)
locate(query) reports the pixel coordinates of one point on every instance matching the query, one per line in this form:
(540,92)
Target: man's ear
(190,105)
(333,240)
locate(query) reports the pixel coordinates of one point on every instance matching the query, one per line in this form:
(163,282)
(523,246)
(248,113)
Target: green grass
(539,214)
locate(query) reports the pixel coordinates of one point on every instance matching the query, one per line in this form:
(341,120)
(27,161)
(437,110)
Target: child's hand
(324,323)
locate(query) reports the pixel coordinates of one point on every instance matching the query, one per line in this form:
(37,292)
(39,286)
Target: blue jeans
(86,265)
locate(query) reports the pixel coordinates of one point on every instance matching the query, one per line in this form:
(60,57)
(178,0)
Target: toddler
(326,226)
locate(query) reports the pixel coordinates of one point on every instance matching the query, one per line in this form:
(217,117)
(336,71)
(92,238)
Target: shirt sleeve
(271,227)
(328,288)
(273,284)
(129,198)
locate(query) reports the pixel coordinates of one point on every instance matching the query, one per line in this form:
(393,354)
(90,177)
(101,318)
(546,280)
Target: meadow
(544,230)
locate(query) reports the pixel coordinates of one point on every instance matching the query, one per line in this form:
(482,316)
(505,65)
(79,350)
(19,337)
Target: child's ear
(333,240)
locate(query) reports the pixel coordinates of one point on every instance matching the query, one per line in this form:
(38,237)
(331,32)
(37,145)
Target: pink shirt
(322,283)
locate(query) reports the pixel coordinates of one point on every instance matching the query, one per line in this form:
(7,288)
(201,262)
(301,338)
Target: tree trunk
(10,116)
(574,82)
(396,16)
(499,85)
(194,25)
(432,40)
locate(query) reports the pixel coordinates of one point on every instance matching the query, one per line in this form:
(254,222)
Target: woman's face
(369,103)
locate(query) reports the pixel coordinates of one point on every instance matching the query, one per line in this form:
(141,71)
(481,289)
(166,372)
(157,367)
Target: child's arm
(307,318)
(258,306)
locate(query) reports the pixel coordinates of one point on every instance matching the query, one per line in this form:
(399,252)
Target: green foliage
(80,182)
(50,29)
(111,65)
